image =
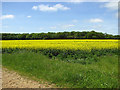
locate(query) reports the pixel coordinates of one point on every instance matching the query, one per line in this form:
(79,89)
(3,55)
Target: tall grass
(72,56)
(101,74)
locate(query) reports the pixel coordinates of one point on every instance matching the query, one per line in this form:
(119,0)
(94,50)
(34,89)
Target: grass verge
(102,74)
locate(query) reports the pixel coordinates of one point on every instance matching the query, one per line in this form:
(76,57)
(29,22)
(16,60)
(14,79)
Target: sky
(31,17)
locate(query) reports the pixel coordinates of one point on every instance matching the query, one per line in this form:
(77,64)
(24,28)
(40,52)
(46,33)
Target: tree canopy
(59,35)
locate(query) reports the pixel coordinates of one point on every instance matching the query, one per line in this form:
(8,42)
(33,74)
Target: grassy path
(12,79)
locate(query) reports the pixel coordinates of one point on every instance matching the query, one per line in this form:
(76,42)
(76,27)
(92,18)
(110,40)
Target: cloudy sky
(30,17)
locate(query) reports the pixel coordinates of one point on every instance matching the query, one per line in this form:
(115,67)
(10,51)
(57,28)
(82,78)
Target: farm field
(70,44)
(74,44)
(67,63)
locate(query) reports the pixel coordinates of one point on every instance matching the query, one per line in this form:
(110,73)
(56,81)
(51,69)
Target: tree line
(59,35)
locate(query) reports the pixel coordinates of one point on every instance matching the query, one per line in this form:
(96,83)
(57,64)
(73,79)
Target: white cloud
(96,20)
(44,8)
(75,21)
(34,7)
(79,1)
(111,5)
(105,0)
(29,16)
(7,17)
(76,1)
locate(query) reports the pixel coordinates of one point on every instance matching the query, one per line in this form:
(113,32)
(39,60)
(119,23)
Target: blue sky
(30,17)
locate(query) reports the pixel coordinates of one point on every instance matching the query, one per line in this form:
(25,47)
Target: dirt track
(13,80)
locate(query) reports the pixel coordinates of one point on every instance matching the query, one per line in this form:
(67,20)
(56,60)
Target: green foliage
(102,74)
(59,35)
(75,56)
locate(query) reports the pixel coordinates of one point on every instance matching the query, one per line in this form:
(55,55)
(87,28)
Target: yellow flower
(61,44)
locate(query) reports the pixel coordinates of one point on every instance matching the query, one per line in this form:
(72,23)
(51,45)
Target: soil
(11,79)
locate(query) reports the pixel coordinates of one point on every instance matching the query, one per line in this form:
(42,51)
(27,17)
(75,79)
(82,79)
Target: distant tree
(59,35)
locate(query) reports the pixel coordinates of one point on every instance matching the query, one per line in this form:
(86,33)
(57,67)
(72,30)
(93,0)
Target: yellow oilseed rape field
(61,44)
